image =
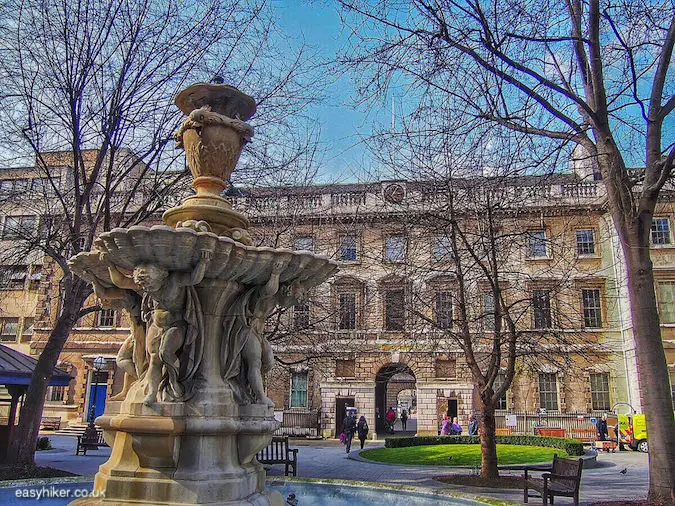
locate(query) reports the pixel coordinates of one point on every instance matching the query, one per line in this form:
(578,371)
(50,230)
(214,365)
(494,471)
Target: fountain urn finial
(213,137)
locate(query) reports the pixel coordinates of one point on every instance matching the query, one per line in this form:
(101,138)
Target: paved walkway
(327,460)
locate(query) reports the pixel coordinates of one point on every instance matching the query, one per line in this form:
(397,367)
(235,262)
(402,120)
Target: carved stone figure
(172,313)
(245,352)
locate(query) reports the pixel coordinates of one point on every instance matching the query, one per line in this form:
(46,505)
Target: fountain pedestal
(190,425)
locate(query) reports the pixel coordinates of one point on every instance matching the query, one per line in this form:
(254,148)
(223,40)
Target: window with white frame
(303,243)
(394,248)
(666,301)
(660,231)
(348,251)
(536,244)
(298,390)
(301,315)
(105,318)
(19,227)
(57,393)
(600,392)
(13,277)
(444,310)
(441,249)
(499,381)
(548,391)
(585,242)
(488,311)
(9,329)
(590,299)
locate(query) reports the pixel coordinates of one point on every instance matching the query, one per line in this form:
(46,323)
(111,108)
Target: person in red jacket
(391,419)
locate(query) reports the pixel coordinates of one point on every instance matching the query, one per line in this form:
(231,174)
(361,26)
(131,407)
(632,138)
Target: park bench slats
(50,422)
(563,479)
(85,442)
(278,452)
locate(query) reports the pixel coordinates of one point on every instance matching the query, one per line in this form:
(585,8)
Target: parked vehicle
(633,432)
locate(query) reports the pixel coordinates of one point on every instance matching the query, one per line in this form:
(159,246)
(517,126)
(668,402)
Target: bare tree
(88,91)
(591,73)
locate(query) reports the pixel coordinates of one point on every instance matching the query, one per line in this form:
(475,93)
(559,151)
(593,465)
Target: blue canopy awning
(17,369)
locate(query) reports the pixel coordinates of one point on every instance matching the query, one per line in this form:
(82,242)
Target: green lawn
(460,455)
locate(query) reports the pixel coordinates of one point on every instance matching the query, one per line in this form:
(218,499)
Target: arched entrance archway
(390,380)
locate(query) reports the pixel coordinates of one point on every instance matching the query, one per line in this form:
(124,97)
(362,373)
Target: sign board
(511,420)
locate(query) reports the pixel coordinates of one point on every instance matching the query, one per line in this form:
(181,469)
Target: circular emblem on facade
(394,193)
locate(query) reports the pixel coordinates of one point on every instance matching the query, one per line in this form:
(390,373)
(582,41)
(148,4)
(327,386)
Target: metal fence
(298,423)
(527,422)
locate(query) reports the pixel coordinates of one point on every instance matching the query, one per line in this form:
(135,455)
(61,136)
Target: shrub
(43,443)
(571,446)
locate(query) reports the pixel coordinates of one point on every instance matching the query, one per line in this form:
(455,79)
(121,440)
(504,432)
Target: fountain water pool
(306,493)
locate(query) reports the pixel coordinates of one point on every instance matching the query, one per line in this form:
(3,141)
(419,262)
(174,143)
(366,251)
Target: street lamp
(90,431)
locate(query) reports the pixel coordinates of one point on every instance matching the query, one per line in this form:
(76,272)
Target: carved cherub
(246,353)
(169,310)
(131,358)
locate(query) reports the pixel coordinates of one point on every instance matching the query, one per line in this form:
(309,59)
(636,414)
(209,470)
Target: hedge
(571,446)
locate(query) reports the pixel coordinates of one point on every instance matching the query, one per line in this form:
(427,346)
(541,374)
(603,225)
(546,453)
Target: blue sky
(342,125)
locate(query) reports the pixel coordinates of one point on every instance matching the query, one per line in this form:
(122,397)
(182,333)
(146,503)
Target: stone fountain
(193,412)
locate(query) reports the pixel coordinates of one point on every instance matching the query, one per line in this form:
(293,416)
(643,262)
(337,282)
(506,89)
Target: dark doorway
(341,405)
(452,408)
(381,381)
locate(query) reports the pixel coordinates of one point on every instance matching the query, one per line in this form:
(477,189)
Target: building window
(444,310)
(548,391)
(299,390)
(585,242)
(446,368)
(600,392)
(301,316)
(13,277)
(660,231)
(348,248)
(9,329)
(536,244)
(592,309)
(303,243)
(541,303)
(105,318)
(666,301)
(347,303)
(499,381)
(488,311)
(394,248)
(441,249)
(57,394)
(19,227)
(345,368)
(394,310)
(28,327)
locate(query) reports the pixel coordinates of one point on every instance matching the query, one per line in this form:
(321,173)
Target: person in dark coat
(362,430)
(473,425)
(601,428)
(349,427)
(404,419)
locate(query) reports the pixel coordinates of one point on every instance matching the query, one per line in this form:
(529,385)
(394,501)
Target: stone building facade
(347,347)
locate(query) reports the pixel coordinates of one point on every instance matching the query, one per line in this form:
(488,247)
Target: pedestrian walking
(445,425)
(473,425)
(601,428)
(362,430)
(391,419)
(455,428)
(349,427)
(404,419)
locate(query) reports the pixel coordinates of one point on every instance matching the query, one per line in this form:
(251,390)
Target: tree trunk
(488,443)
(653,370)
(22,448)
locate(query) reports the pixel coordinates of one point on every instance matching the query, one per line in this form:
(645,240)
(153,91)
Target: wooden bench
(50,422)
(87,442)
(278,452)
(563,480)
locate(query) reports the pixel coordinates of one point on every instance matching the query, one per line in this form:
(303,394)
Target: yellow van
(633,432)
